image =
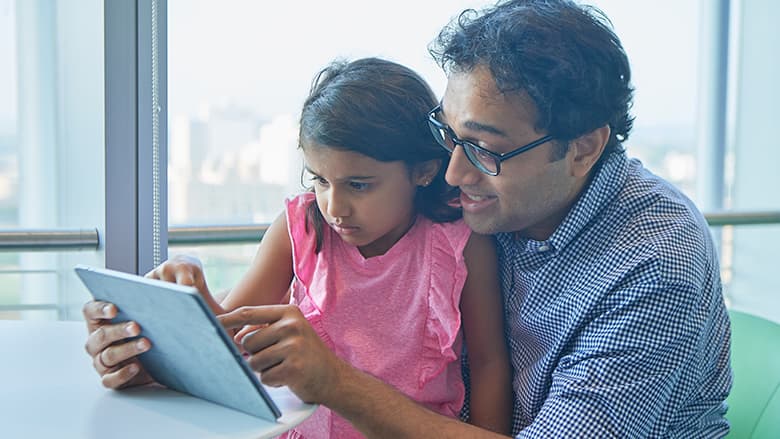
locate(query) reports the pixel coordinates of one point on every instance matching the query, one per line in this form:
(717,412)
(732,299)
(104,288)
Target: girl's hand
(182,270)
(186,270)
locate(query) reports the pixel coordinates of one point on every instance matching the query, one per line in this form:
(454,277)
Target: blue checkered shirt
(616,323)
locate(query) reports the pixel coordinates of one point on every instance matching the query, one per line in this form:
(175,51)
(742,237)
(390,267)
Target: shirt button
(544,248)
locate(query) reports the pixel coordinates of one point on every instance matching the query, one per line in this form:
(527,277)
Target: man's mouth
(474,202)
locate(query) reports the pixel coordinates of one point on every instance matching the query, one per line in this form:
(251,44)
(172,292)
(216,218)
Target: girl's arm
(269,276)
(483,326)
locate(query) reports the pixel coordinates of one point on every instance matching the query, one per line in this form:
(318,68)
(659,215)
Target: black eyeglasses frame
(439,129)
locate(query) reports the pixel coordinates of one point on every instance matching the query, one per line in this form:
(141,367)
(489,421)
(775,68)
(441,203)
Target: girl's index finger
(252,315)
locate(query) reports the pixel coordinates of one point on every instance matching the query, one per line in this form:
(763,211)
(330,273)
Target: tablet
(191,352)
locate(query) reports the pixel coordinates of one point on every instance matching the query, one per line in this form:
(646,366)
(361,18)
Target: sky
(264,56)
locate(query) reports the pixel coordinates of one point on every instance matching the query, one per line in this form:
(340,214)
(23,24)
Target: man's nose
(460,171)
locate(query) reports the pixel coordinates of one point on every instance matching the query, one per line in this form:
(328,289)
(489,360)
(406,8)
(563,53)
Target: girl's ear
(424,172)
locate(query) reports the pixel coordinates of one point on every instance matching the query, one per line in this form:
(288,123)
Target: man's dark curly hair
(564,55)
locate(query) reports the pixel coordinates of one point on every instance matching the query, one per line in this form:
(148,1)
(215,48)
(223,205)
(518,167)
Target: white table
(49,389)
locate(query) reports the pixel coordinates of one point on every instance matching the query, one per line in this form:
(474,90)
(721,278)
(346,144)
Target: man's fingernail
(130,329)
(106,310)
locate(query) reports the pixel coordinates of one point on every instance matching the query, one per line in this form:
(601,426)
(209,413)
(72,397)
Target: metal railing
(200,235)
(88,239)
(49,239)
(716,219)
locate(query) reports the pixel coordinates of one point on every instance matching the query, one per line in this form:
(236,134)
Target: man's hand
(114,357)
(286,350)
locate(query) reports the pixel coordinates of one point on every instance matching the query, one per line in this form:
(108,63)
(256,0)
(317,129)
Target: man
(615,317)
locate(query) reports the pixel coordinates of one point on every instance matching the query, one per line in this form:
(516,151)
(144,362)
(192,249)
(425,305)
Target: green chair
(754,402)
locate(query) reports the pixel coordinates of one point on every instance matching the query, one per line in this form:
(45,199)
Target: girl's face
(369,203)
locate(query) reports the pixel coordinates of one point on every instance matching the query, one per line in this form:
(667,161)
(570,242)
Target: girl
(378,259)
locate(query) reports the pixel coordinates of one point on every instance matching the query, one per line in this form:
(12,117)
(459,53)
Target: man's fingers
(97,363)
(260,339)
(106,335)
(271,356)
(119,353)
(253,315)
(120,377)
(95,311)
(238,337)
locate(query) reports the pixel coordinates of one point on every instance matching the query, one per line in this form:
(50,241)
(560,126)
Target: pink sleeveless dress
(395,316)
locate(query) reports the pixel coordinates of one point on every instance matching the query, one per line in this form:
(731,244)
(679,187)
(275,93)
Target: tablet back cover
(190,351)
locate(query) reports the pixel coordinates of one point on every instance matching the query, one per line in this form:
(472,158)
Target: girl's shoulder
(296,207)
(300,201)
(297,217)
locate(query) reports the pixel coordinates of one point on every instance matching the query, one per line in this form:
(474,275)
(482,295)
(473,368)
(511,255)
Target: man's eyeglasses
(483,159)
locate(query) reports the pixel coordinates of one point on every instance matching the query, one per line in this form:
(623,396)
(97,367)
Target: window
(238,72)
(51,147)
(665,67)
(751,253)
(234,112)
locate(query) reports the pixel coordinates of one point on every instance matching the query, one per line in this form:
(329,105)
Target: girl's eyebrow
(347,178)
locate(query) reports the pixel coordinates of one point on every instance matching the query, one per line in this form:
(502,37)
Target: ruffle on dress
(297,227)
(442,327)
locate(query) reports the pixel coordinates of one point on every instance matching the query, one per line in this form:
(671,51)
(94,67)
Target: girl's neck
(381,245)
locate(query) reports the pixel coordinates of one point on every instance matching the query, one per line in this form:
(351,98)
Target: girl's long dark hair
(377,108)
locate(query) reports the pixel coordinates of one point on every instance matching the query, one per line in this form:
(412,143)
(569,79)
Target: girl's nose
(338,204)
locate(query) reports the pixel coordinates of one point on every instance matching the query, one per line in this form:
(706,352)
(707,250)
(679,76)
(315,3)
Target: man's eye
(481,153)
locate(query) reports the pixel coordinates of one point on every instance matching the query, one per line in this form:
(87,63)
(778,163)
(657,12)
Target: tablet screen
(191,352)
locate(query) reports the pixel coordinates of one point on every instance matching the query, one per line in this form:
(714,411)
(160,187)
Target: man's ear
(585,151)
(425,172)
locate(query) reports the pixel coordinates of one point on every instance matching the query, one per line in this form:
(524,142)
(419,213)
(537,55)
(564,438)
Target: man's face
(532,194)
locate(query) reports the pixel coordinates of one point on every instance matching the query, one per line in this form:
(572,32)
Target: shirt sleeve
(630,363)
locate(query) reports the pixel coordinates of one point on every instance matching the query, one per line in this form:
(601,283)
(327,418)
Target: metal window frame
(136,134)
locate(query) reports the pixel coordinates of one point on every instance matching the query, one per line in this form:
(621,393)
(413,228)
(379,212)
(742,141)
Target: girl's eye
(358,185)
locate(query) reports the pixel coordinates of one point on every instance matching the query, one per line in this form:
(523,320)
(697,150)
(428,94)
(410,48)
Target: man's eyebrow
(476,126)
(480,127)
